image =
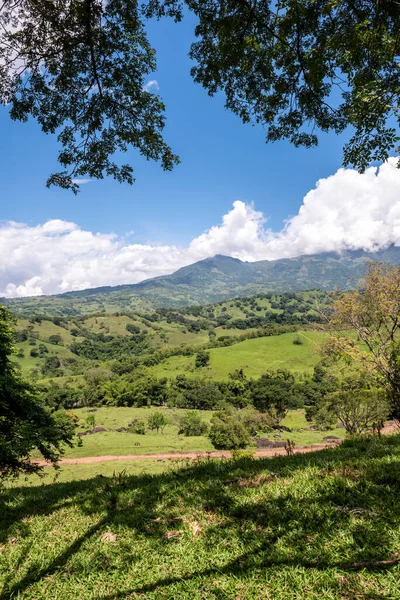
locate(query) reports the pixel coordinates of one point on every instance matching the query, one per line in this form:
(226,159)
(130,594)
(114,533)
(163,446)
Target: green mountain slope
(212,280)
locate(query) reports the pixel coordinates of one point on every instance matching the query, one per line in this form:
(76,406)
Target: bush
(34,352)
(242,454)
(191,424)
(298,341)
(132,328)
(139,428)
(91,421)
(227,432)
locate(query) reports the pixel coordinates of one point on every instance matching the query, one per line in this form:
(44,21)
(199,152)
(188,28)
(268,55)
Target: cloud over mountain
(347,210)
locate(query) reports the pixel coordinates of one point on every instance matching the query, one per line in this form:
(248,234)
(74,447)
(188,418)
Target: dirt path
(390,427)
(90,460)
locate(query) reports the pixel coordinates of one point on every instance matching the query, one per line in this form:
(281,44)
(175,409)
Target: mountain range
(213,280)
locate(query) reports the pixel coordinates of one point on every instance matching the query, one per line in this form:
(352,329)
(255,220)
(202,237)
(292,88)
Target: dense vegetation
(26,421)
(173,358)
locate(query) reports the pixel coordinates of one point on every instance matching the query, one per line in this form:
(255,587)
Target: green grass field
(278,529)
(113,442)
(254,356)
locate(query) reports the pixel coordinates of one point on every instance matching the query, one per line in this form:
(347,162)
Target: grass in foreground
(251,529)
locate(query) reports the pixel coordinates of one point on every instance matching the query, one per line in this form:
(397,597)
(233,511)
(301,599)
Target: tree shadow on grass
(314,511)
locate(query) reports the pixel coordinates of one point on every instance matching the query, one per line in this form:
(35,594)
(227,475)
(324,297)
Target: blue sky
(222,160)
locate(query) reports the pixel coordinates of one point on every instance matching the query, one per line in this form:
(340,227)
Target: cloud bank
(345,211)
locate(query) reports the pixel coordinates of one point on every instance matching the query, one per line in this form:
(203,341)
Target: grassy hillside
(253,356)
(275,529)
(81,342)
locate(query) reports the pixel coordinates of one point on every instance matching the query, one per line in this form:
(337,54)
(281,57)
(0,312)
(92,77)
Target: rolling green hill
(212,280)
(253,356)
(56,347)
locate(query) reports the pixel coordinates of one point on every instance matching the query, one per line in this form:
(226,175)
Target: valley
(195,425)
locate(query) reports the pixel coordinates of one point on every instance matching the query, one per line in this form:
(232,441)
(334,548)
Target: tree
(357,406)
(191,424)
(273,394)
(55,339)
(79,68)
(157,421)
(202,359)
(373,312)
(51,366)
(25,423)
(227,432)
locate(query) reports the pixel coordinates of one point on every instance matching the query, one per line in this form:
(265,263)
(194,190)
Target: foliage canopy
(295,66)
(373,312)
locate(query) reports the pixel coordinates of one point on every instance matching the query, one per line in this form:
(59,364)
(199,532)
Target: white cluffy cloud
(345,211)
(151,86)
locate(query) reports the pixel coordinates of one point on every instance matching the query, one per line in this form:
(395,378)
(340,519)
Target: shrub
(227,432)
(91,421)
(132,328)
(243,454)
(139,428)
(191,424)
(298,341)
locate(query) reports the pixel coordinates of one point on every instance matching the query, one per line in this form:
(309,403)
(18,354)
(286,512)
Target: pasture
(254,356)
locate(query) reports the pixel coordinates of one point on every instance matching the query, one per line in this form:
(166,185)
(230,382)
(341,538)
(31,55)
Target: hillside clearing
(254,356)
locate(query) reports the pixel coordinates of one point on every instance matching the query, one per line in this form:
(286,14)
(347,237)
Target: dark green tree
(25,423)
(202,359)
(273,393)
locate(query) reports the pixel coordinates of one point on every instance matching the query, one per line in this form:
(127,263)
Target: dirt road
(89,460)
(390,427)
